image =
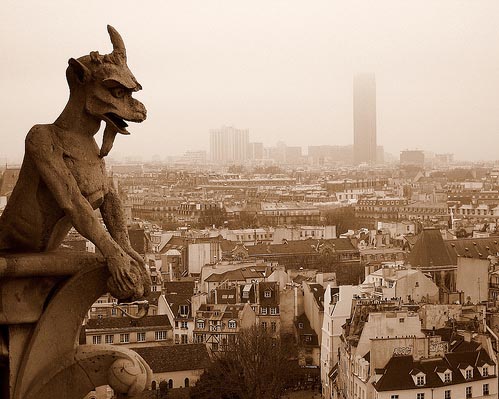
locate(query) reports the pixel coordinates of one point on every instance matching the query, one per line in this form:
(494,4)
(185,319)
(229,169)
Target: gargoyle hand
(127,281)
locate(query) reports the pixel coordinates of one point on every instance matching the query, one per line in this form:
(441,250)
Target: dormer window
(300,325)
(468,374)
(267,294)
(418,377)
(447,377)
(232,324)
(485,371)
(420,380)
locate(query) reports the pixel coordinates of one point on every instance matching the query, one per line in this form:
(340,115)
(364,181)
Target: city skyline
(283,71)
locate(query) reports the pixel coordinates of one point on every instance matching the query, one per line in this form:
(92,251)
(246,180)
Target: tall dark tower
(364,119)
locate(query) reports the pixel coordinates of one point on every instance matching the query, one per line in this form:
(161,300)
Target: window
(390,285)
(96,339)
(420,395)
(485,371)
(447,378)
(267,294)
(200,338)
(184,310)
(264,325)
(420,380)
(485,389)
(300,325)
(447,394)
(109,339)
(141,337)
(113,311)
(469,374)
(160,335)
(273,326)
(170,384)
(183,325)
(201,324)
(273,311)
(394,397)
(232,324)
(469,392)
(124,338)
(186,383)
(263,311)
(183,339)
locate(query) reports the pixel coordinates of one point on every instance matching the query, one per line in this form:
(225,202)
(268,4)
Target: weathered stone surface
(63,178)
(45,360)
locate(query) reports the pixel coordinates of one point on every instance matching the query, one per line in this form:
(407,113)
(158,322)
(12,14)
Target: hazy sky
(283,69)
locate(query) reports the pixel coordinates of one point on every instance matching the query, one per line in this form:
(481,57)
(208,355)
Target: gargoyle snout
(139,111)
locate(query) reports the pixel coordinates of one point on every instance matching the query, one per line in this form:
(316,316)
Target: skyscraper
(228,144)
(364,119)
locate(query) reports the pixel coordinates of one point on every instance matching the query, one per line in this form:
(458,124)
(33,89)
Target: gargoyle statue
(63,177)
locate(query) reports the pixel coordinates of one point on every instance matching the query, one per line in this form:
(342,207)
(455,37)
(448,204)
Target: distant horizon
(283,70)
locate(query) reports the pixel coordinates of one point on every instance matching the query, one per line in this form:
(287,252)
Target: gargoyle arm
(47,157)
(114,218)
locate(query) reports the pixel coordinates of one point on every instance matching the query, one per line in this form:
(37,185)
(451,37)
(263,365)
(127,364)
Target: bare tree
(256,365)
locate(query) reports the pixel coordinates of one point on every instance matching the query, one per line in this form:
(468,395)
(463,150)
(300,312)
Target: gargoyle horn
(119,50)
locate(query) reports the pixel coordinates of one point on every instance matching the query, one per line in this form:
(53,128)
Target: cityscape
(241,264)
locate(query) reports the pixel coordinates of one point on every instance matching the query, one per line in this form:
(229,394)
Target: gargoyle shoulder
(40,140)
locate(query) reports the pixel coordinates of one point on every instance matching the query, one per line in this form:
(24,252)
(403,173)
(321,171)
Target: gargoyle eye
(118,92)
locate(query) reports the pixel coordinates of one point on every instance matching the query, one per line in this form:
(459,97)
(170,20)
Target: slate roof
(307,329)
(478,248)
(236,275)
(308,246)
(179,293)
(318,292)
(185,288)
(126,322)
(169,358)
(429,250)
(397,372)
(153,297)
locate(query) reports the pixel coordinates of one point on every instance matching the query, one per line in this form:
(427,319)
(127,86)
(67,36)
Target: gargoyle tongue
(108,137)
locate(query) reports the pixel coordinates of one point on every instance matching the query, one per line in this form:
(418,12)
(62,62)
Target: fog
(282,69)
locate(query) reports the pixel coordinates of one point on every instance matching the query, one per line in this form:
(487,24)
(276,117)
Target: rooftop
(169,358)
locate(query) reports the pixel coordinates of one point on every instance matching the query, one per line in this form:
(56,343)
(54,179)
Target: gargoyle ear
(81,71)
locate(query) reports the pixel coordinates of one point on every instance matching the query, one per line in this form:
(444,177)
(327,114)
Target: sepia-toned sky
(281,68)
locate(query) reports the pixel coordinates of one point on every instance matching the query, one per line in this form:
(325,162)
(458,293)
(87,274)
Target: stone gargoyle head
(105,84)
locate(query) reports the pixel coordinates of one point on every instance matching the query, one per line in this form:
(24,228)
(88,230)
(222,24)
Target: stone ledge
(58,263)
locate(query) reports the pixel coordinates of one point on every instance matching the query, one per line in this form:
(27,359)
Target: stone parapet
(44,299)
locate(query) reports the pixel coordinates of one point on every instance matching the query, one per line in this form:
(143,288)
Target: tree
(163,389)
(256,365)
(343,218)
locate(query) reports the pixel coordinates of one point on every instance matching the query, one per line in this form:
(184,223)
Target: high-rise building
(228,144)
(255,151)
(412,158)
(364,119)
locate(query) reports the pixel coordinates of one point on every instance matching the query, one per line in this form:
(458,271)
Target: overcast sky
(282,69)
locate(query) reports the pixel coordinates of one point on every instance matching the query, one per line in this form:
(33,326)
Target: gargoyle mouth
(118,121)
